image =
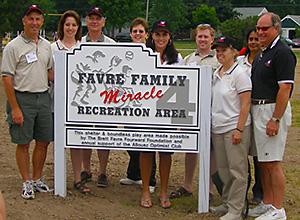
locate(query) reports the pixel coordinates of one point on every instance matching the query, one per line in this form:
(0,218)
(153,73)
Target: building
(250,11)
(289,24)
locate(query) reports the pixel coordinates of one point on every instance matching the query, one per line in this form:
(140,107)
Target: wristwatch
(276,120)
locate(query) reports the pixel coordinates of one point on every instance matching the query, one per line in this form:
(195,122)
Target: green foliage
(297,32)
(81,6)
(12,14)
(173,11)
(224,8)
(205,15)
(238,29)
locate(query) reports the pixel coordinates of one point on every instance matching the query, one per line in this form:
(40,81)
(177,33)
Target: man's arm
(17,115)
(281,103)
(51,75)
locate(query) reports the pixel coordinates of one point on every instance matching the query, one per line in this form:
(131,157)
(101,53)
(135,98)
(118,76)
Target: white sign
(119,96)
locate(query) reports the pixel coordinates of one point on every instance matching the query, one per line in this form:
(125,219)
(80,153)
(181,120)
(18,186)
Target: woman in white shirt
(160,40)
(69,36)
(231,128)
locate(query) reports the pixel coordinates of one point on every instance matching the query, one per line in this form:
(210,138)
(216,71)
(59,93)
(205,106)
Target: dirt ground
(119,201)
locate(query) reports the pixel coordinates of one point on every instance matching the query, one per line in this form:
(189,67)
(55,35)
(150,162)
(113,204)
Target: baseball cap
(224,42)
(96,11)
(161,25)
(31,8)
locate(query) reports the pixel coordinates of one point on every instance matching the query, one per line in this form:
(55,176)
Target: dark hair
(170,54)
(62,20)
(138,21)
(247,38)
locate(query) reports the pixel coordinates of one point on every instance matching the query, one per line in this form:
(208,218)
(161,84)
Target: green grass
(185,47)
(186,44)
(295,113)
(297,53)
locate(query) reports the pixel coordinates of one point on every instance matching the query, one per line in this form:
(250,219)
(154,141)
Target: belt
(261,102)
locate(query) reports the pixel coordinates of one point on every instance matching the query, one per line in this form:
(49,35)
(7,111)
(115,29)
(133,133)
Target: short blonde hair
(205,27)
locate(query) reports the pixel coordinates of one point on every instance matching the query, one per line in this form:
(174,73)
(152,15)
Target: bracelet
(240,130)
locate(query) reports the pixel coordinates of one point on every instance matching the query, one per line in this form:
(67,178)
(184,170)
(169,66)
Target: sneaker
(85,177)
(40,186)
(27,190)
(151,189)
(273,214)
(231,216)
(102,181)
(128,181)
(259,210)
(219,209)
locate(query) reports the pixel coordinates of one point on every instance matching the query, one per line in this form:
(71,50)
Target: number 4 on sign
(182,103)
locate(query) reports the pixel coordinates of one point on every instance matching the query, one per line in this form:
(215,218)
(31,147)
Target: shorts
(270,148)
(37,114)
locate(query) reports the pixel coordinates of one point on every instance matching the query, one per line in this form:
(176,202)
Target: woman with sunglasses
(245,61)
(160,40)
(69,36)
(138,33)
(231,128)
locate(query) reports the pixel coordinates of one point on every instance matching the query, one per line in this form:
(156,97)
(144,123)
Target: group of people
(261,80)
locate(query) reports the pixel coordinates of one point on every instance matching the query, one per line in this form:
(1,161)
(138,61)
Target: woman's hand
(236,137)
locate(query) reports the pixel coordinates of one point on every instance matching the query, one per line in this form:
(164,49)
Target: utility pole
(147,9)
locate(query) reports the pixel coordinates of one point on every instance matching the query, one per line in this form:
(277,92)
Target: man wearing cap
(26,68)
(95,21)
(272,77)
(204,55)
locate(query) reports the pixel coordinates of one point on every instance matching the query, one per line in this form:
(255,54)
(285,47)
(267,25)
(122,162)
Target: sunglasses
(205,25)
(140,31)
(263,28)
(253,38)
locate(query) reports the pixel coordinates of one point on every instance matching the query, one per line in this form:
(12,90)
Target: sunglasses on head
(205,25)
(135,31)
(262,28)
(253,38)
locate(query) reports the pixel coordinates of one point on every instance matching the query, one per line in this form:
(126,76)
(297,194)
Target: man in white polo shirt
(26,68)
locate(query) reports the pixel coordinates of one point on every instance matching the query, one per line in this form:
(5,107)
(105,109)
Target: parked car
(296,40)
(291,43)
(123,37)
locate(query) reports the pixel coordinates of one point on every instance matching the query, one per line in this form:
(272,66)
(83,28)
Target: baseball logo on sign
(129,55)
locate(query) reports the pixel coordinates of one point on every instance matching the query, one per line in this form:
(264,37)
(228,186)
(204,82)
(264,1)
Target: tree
(119,12)
(12,14)
(80,6)
(173,11)
(205,15)
(238,29)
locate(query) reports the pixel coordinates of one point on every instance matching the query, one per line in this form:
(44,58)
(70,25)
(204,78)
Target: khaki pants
(232,164)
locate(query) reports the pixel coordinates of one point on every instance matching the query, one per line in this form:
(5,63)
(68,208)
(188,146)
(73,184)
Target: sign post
(119,97)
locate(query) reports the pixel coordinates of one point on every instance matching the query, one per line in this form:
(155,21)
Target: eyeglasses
(205,25)
(140,31)
(263,28)
(253,38)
